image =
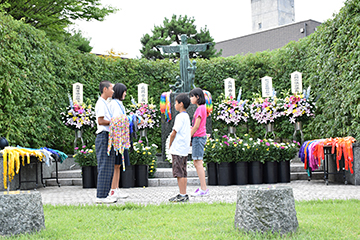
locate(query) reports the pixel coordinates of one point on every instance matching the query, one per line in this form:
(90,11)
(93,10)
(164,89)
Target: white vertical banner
(78,93)
(142,93)
(229,85)
(296,82)
(266,87)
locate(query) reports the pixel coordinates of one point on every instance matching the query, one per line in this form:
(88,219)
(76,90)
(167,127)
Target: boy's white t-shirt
(181,144)
(102,110)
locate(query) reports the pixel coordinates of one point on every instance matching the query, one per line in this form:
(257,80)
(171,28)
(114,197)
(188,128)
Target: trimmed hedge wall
(36,75)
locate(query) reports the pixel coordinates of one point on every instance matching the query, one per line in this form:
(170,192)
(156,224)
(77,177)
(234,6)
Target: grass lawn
(331,219)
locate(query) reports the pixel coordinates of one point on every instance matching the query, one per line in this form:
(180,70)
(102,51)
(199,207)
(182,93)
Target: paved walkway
(302,189)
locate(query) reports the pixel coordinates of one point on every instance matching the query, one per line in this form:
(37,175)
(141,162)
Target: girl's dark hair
(197,92)
(104,84)
(119,90)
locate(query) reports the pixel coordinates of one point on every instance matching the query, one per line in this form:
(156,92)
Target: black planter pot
(256,172)
(270,172)
(284,172)
(224,175)
(95,172)
(141,176)
(127,177)
(212,173)
(88,180)
(241,173)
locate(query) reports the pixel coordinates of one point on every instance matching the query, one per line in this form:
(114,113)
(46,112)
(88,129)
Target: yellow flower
(149,153)
(75,155)
(217,140)
(152,167)
(144,152)
(267,149)
(93,146)
(248,147)
(153,160)
(245,135)
(90,151)
(138,151)
(151,170)
(213,146)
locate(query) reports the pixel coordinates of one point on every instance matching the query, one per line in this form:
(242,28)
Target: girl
(198,133)
(116,108)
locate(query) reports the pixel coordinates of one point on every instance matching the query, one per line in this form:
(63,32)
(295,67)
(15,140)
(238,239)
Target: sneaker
(107,200)
(179,198)
(119,194)
(198,192)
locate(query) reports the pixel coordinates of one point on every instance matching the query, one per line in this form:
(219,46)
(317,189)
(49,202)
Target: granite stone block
(266,209)
(21,212)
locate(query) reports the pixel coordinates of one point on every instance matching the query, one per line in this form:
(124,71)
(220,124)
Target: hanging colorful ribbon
(208,102)
(165,105)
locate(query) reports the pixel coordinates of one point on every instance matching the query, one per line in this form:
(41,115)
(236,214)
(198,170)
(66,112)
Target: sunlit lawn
(338,219)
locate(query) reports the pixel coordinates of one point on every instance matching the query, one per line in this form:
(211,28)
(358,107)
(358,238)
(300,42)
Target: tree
(74,39)
(54,16)
(171,33)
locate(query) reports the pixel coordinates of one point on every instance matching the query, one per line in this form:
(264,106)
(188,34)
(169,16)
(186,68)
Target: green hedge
(36,75)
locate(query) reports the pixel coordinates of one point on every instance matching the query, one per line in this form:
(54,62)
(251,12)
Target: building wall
(271,13)
(268,39)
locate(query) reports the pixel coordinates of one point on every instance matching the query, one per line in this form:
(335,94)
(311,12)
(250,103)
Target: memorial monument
(183,84)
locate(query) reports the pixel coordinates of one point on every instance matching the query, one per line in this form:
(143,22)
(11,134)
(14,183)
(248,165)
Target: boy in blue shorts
(179,146)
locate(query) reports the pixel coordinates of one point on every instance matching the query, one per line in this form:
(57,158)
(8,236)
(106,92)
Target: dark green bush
(36,75)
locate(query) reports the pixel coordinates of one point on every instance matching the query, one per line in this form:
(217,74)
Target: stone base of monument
(21,212)
(266,209)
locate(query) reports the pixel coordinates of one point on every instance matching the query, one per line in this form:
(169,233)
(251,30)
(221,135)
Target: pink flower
(226,143)
(282,147)
(76,148)
(267,144)
(225,136)
(84,146)
(140,141)
(82,151)
(261,140)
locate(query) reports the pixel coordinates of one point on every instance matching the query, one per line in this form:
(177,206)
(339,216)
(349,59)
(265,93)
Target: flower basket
(231,111)
(79,116)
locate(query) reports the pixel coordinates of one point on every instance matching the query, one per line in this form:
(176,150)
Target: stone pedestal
(21,212)
(166,127)
(266,208)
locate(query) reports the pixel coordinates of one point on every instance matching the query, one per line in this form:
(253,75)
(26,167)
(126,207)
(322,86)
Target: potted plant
(288,152)
(144,158)
(86,158)
(272,154)
(212,159)
(253,153)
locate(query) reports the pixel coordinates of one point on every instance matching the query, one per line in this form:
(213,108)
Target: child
(179,146)
(117,108)
(105,162)
(198,134)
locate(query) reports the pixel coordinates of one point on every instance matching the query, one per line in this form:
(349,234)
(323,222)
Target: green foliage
(171,32)
(247,149)
(75,40)
(53,17)
(36,76)
(85,156)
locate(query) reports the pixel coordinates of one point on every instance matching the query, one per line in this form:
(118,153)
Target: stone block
(266,209)
(21,212)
